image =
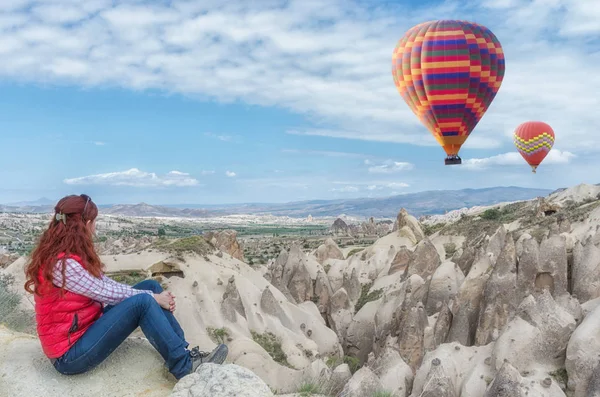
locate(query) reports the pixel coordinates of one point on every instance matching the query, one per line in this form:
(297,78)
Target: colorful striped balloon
(448,72)
(534,140)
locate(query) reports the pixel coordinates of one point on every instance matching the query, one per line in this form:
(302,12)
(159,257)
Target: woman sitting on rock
(83,316)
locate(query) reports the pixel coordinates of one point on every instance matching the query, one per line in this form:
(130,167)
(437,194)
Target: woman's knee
(144,300)
(151,285)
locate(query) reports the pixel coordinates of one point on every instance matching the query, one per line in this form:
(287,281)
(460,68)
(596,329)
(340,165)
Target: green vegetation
(353,362)
(428,230)
(450,249)
(279,230)
(308,389)
(354,251)
(161,232)
(217,335)
(382,393)
(196,244)
(476,227)
(366,296)
(538,233)
(272,345)
(560,375)
(10,314)
(491,214)
(129,278)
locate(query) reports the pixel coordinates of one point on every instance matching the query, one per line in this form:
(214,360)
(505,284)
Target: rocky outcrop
(466,259)
(443,287)
(134,368)
(583,351)
(296,276)
(339,377)
(401,260)
(545,208)
(553,262)
(454,365)
(340,313)
(226,241)
(425,260)
(322,293)
(232,302)
(437,383)
(496,244)
(411,333)
(288,273)
(211,380)
(393,306)
(328,250)
(395,375)
(369,228)
(499,299)
(442,326)
(363,383)
(466,307)
(542,266)
(361,332)
(7,259)
(586,271)
(404,220)
(340,228)
(507,383)
(537,338)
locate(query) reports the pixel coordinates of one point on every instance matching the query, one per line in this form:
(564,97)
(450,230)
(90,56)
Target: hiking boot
(217,356)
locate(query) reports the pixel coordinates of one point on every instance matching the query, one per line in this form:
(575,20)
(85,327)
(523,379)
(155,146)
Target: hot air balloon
(534,140)
(448,72)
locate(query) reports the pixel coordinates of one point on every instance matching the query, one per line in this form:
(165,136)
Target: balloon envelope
(534,140)
(448,72)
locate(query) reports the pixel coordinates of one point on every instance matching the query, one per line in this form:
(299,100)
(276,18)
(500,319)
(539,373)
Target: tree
(162,232)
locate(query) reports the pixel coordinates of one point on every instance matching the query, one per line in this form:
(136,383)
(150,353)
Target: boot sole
(220,355)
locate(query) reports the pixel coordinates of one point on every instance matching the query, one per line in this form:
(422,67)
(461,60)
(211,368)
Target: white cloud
(230,174)
(385,186)
(515,159)
(99,143)
(135,177)
(207,172)
(397,185)
(345,189)
(390,167)
(369,185)
(327,60)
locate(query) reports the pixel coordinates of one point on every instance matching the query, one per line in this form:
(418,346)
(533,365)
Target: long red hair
(70,235)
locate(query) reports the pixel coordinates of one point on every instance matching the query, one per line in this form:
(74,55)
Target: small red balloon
(534,140)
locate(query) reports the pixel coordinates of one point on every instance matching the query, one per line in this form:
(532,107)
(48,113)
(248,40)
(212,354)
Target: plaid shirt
(80,281)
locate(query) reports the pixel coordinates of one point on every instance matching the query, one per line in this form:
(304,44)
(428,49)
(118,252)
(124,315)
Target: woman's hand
(172,303)
(166,300)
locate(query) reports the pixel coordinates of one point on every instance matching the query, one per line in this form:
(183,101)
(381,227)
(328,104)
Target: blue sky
(199,102)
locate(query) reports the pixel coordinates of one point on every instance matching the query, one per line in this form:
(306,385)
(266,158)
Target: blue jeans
(118,322)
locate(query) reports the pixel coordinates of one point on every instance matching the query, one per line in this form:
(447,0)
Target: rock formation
(211,380)
(226,241)
(340,228)
(328,250)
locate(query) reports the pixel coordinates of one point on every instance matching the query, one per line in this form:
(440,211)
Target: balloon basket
(453,160)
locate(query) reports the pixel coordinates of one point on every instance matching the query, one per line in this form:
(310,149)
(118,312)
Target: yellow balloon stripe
(534,139)
(531,149)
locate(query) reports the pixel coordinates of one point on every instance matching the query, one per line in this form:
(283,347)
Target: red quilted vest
(62,319)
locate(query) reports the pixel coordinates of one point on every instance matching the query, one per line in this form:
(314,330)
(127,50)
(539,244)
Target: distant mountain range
(422,203)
